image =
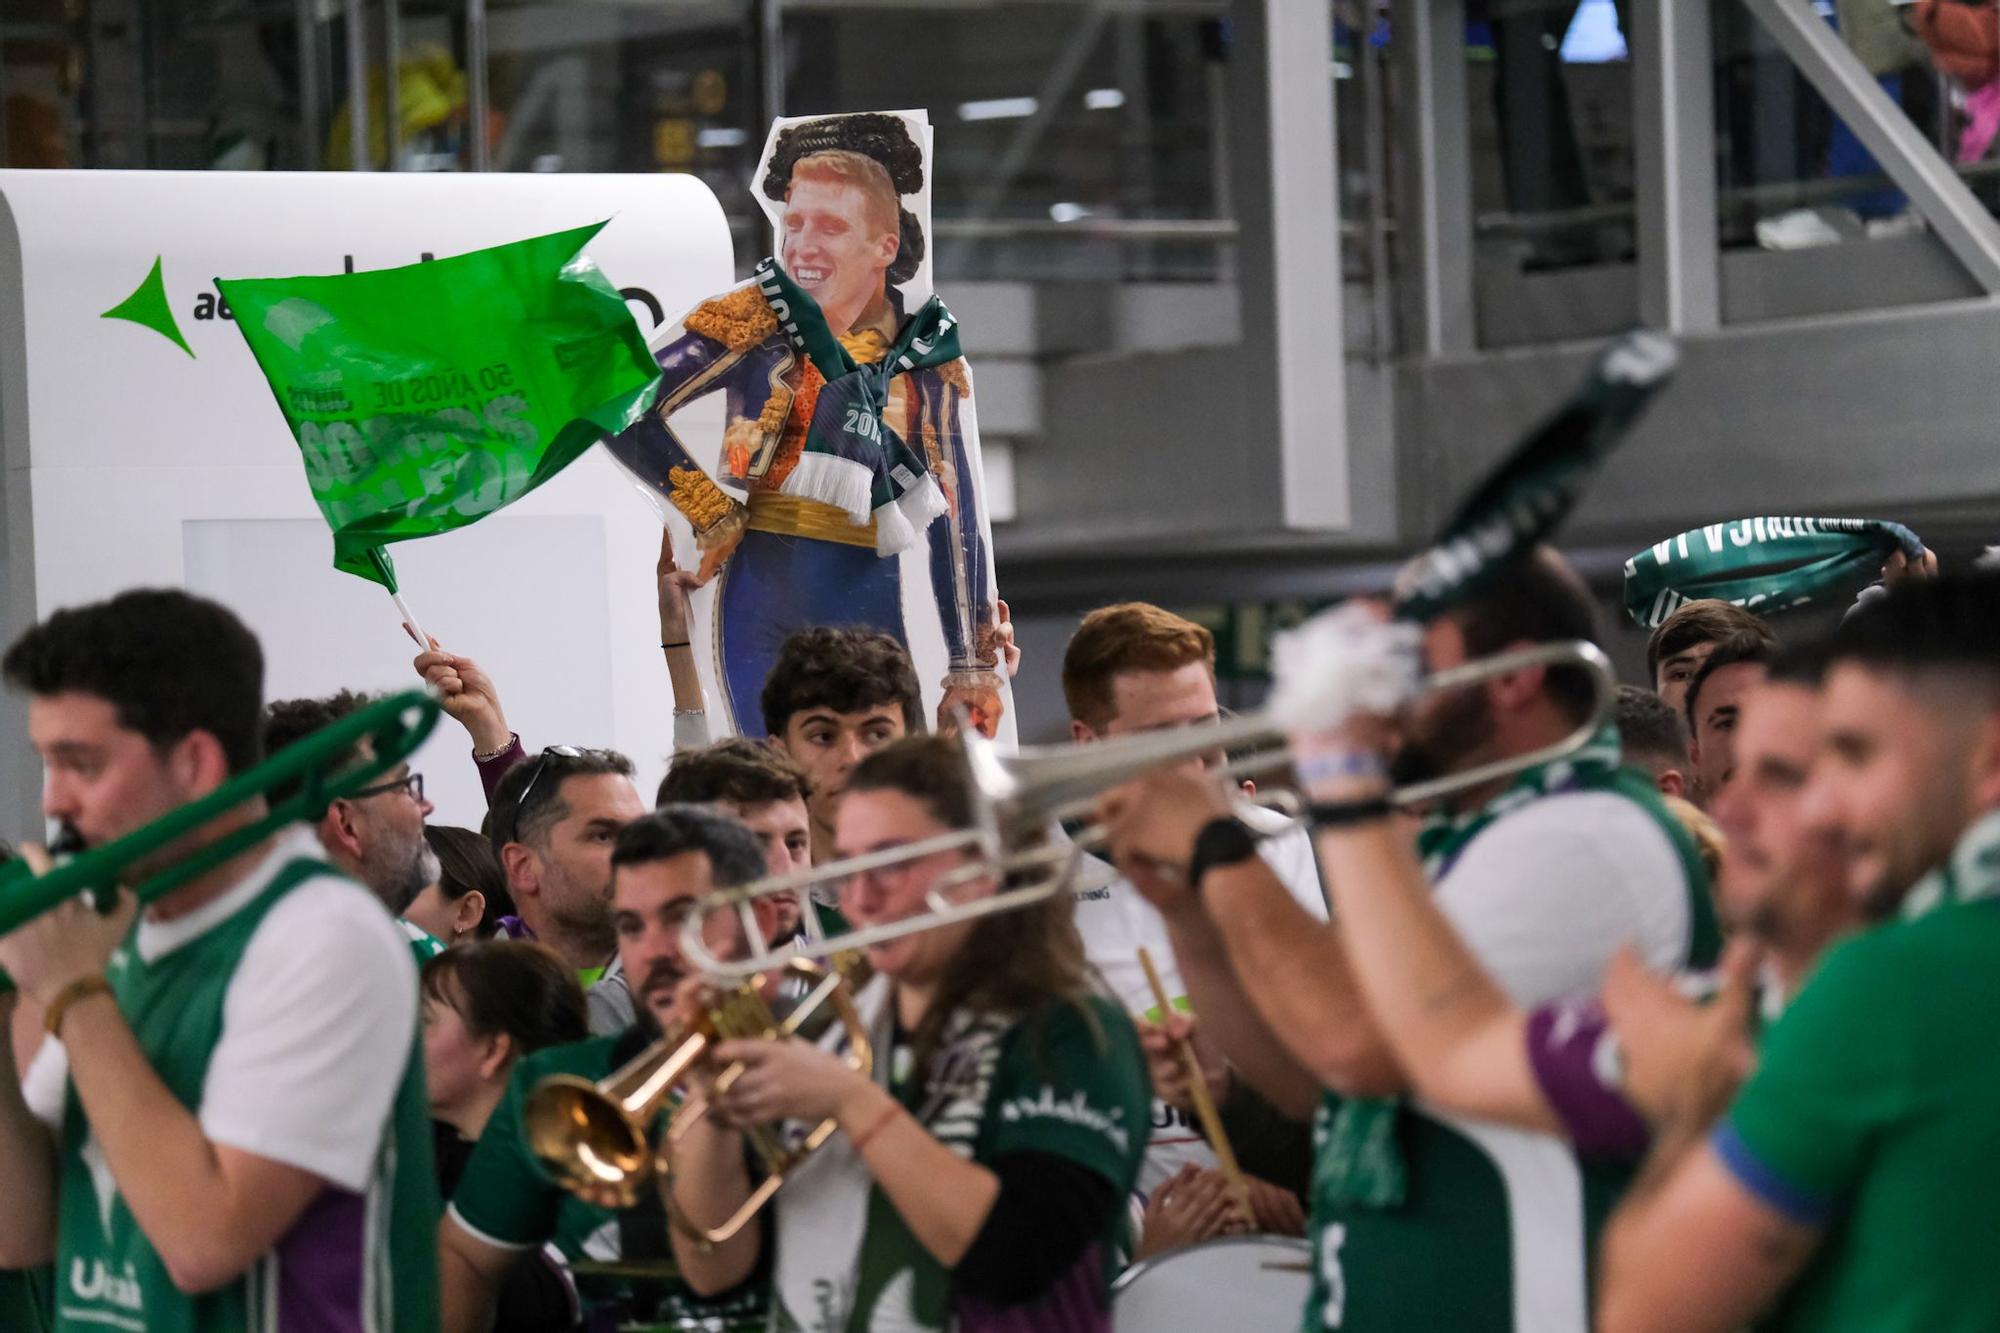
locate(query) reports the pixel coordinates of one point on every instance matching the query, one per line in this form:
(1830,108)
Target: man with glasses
(553,821)
(377,834)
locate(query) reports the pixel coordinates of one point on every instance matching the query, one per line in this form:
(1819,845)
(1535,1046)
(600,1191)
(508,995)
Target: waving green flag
(424,398)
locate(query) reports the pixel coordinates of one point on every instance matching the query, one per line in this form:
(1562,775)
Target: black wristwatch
(1223,841)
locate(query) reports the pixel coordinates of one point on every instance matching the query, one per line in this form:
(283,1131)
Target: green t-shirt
(508,1199)
(1063,1084)
(1872,1114)
(27,1300)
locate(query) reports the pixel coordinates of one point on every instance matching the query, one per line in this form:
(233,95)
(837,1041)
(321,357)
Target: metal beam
(1437,173)
(392,91)
(1953,211)
(1305,268)
(1680,286)
(475,82)
(360,156)
(305,16)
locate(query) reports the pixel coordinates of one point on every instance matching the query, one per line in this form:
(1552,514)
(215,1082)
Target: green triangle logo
(147,307)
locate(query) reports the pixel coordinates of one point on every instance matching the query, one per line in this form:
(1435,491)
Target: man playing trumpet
(507,1203)
(985,1176)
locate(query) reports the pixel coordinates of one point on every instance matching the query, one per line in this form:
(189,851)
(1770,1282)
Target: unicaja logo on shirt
(98,1283)
(1075,1111)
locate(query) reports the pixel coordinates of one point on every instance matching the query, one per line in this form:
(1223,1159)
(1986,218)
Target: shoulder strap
(1704,933)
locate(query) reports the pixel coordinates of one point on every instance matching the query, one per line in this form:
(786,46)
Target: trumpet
(394,726)
(597,1138)
(1018,798)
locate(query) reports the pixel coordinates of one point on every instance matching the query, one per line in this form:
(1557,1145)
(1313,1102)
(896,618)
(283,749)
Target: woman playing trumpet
(980,1177)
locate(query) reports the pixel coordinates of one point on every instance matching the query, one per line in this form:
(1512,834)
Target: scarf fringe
(901,524)
(845,483)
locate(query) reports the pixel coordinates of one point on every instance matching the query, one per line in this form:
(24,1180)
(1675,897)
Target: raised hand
(468,696)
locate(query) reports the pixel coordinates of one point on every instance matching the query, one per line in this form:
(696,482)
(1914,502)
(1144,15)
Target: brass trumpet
(597,1139)
(1018,798)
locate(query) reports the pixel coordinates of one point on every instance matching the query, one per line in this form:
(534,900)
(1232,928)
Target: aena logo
(148,307)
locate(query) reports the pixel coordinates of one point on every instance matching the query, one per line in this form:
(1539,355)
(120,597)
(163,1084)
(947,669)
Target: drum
(1237,1284)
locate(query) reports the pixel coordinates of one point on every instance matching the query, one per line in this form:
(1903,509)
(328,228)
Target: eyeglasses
(413,785)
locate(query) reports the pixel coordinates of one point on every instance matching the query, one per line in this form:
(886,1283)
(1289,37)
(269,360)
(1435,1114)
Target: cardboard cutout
(847,485)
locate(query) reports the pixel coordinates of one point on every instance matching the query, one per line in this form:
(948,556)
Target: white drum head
(1238,1284)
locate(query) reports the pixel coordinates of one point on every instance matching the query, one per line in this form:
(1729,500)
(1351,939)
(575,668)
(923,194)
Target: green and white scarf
(822,1225)
(1360,1162)
(852,460)
(1765,564)
(1972,873)
(1524,499)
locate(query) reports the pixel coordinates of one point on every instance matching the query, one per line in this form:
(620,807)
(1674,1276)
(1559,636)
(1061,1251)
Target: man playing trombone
(984,1179)
(1422,1220)
(227,1123)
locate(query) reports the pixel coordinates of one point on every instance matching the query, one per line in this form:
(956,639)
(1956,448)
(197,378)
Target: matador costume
(798,562)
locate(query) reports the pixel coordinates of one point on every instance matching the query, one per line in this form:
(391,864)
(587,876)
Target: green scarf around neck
(852,460)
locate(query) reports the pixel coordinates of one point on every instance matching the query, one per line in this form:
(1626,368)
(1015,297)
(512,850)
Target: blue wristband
(1341,764)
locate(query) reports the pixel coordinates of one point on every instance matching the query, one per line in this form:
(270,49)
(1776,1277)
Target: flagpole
(386,575)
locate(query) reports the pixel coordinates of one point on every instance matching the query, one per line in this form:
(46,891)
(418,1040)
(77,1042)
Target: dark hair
(734,856)
(874,134)
(1800,664)
(1706,620)
(1752,647)
(1648,726)
(168,662)
(289,721)
(1018,963)
(1946,624)
(1130,636)
(516,988)
(1538,600)
(510,819)
(843,670)
(735,769)
(466,861)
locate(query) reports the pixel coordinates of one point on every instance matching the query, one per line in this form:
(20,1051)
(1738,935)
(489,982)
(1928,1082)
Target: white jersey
(1116,921)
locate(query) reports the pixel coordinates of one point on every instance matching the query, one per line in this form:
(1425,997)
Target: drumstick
(1204,1105)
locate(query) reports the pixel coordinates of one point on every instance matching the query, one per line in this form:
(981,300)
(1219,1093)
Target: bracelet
(1341,764)
(482,756)
(874,1127)
(1341,814)
(682,644)
(80,989)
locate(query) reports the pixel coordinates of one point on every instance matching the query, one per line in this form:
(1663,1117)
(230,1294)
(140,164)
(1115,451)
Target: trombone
(597,1139)
(1018,798)
(395,726)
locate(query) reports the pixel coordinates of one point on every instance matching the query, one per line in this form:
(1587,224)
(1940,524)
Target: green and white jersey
(1423,1220)
(1067,1083)
(282,1015)
(507,1199)
(424,946)
(1872,1111)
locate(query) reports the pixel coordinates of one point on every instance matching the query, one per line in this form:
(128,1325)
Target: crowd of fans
(1683,1030)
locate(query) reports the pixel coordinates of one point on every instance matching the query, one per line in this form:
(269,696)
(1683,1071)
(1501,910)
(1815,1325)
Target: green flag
(424,398)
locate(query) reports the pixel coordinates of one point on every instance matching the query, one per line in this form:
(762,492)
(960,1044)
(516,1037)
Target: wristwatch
(1223,841)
